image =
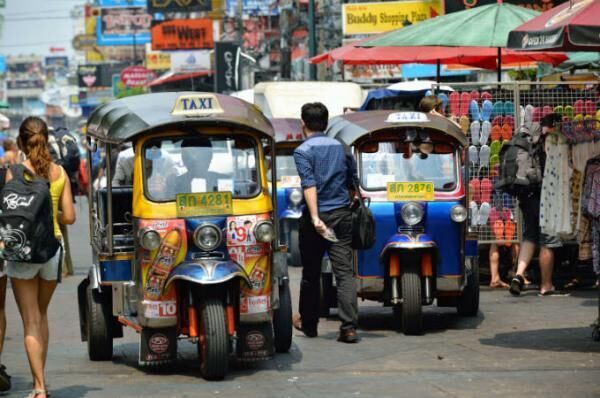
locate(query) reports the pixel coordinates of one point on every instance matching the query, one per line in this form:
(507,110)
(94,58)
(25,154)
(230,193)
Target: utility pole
(285,63)
(312,41)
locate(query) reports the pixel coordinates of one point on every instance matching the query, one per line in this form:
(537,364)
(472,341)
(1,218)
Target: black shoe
(348,336)
(4,379)
(308,331)
(516,285)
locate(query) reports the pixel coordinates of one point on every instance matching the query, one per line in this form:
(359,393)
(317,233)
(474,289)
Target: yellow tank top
(56,188)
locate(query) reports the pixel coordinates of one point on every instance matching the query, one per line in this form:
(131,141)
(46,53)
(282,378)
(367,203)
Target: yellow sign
(197,105)
(408,191)
(156,60)
(204,204)
(369,18)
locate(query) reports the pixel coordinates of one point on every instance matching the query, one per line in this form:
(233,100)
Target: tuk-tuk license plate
(204,204)
(406,191)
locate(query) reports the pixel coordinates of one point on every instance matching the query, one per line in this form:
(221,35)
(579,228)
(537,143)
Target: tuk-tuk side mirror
(369,147)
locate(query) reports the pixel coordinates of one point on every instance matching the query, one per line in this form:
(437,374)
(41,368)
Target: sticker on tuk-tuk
(196,105)
(407,191)
(204,204)
(407,117)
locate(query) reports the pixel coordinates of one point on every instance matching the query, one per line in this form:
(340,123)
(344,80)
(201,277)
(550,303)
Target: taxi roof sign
(196,105)
(407,117)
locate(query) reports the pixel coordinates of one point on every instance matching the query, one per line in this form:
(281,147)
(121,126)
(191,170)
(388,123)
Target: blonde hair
(33,141)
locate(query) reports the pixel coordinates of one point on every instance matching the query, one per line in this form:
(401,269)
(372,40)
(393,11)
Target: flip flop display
(509,108)
(559,109)
(495,148)
(498,109)
(494,161)
(494,216)
(486,190)
(486,130)
(444,98)
(529,109)
(569,112)
(475,95)
(546,110)
(486,110)
(475,127)
(473,155)
(510,120)
(510,230)
(486,96)
(579,107)
(465,102)
(521,115)
(484,213)
(474,110)
(454,103)
(496,133)
(464,124)
(473,209)
(537,115)
(498,121)
(590,107)
(475,190)
(506,132)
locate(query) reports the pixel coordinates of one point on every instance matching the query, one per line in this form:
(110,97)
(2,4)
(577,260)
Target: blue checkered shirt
(326,164)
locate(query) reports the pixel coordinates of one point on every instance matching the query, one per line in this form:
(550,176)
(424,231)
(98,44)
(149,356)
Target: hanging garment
(596,245)
(576,187)
(585,239)
(555,204)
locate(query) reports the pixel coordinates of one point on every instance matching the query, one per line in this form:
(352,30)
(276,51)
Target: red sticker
(158,343)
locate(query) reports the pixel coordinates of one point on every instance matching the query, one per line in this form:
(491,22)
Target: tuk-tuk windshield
(286,166)
(197,164)
(391,163)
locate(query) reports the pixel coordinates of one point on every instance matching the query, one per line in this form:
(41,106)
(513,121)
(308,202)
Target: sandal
(499,285)
(573,284)
(37,394)
(516,285)
(5,383)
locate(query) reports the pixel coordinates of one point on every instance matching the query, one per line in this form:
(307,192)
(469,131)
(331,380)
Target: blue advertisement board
(125,26)
(2,64)
(122,3)
(252,7)
(417,71)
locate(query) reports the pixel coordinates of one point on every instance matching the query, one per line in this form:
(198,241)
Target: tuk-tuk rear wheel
(411,310)
(99,325)
(213,344)
(282,319)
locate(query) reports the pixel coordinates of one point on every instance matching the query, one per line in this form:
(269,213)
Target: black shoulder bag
(363,224)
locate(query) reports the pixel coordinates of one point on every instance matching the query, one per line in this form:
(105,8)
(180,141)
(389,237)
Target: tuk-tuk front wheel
(213,342)
(410,313)
(282,319)
(99,325)
(468,302)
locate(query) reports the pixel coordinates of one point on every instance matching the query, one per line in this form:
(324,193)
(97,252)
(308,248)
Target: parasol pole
(499,64)
(438,70)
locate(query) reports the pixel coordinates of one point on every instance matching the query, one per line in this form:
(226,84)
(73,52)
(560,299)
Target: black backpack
(66,151)
(520,164)
(26,223)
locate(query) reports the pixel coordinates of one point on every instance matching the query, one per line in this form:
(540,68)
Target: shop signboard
(84,42)
(537,5)
(252,7)
(94,76)
(190,61)
(124,26)
(182,34)
(156,60)
(372,18)
(163,6)
(20,84)
(2,64)
(227,58)
(136,76)
(57,62)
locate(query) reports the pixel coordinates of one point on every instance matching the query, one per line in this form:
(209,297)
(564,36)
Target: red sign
(136,76)
(182,34)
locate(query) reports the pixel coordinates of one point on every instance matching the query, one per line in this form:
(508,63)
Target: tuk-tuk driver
(196,155)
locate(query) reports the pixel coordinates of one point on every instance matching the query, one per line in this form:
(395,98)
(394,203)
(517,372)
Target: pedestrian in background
(11,153)
(532,236)
(34,284)
(327,172)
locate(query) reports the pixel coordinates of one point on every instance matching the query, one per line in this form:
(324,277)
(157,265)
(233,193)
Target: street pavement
(527,346)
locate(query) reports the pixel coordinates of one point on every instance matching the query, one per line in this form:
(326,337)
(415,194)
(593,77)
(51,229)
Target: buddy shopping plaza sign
(370,18)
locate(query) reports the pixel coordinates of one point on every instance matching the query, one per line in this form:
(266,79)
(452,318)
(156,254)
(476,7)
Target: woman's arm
(66,215)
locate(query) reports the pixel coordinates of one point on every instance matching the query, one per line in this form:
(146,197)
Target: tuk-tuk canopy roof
(124,119)
(350,127)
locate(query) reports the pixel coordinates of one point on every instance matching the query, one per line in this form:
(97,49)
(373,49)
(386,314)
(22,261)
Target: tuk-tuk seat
(122,199)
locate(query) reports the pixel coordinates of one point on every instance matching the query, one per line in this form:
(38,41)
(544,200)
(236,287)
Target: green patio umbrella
(483,26)
(4,105)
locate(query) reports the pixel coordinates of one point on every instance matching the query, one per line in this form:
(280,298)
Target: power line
(36,18)
(31,44)
(16,14)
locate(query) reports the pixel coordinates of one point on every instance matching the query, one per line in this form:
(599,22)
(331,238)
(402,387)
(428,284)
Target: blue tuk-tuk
(288,136)
(410,171)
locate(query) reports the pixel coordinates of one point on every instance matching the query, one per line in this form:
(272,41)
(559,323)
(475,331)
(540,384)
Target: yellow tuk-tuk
(186,245)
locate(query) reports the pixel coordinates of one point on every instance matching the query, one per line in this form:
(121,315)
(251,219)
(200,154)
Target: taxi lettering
(197,103)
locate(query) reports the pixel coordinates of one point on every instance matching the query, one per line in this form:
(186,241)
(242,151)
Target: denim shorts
(49,271)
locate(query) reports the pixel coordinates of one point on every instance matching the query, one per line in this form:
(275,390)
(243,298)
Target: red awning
(572,26)
(480,57)
(171,77)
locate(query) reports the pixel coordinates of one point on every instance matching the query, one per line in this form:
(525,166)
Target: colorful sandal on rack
(579,107)
(454,103)
(546,110)
(464,124)
(509,108)
(486,130)
(496,133)
(559,109)
(475,95)
(465,102)
(475,190)
(498,109)
(474,111)
(507,132)
(486,110)
(486,96)
(510,229)
(475,128)
(498,121)
(590,107)
(444,98)
(536,115)
(510,120)
(486,190)
(498,229)
(569,112)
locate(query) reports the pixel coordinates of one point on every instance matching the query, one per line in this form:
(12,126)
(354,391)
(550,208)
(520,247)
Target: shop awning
(171,77)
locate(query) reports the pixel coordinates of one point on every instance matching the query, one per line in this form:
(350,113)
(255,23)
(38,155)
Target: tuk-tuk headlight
(412,214)
(458,213)
(264,232)
(295,197)
(149,239)
(207,237)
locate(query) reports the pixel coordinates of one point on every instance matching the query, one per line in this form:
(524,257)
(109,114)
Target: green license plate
(204,204)
(409,191)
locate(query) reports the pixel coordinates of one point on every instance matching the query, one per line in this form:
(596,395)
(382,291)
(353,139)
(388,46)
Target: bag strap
(3,173)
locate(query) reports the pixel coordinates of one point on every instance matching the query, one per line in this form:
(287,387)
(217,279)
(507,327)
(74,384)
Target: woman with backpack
(34,282)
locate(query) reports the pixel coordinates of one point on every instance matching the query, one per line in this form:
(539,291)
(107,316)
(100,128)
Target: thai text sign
(182,34)
(179,5)
(407,191)
(124,21)
(156,60)
(369,18)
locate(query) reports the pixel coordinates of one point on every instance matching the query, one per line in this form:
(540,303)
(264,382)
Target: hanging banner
(182,34)
(190,61)
(122,3)
(252,7)
(370,18)
(94,76)
(136,76)
(227,56)
(163,6)
(158,60)
(124,26)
